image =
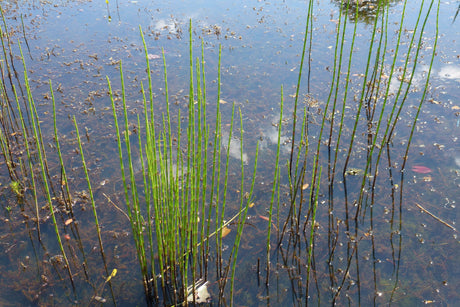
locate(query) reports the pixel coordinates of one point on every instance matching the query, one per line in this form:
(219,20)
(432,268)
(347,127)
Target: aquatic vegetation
(177,209)
(188,209)
(376,115)
(173,230)
(16,188)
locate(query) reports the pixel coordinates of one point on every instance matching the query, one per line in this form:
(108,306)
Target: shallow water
(395,252)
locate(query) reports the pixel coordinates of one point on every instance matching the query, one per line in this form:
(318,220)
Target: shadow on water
(157,206)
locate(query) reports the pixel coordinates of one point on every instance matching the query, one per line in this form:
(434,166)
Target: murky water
(403,249)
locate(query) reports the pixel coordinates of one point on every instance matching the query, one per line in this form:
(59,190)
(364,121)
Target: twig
(116,207)
(435,217)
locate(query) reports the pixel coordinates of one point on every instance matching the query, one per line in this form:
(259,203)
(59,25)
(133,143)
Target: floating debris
(421,169)
(225,231)
(435,217)
(113,274)
(153,56)
(264,217)
(200,294)
(354,171)
(100,299)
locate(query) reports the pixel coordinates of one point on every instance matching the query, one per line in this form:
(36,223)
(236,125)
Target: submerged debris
(201,292)
(352,171)
(153,56)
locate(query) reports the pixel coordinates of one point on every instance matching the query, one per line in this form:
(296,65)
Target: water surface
(395,253)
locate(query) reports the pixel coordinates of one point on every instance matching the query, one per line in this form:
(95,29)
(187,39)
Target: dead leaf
(225,231)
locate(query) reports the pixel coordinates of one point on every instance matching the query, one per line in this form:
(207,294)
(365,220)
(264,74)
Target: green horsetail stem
(93,206)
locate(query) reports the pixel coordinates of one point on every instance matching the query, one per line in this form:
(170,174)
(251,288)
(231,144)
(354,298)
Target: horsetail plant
(35,122)
(182,187)
(93,206)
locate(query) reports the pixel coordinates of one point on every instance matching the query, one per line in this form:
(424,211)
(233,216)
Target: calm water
(393,253)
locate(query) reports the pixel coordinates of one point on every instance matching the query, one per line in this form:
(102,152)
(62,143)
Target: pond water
(389,241)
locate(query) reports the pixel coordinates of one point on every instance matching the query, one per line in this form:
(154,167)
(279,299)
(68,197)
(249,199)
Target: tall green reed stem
(38,142)
(93,206)
(180,193)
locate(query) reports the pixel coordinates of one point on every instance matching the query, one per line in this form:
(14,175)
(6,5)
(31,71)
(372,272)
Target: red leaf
(421,169)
